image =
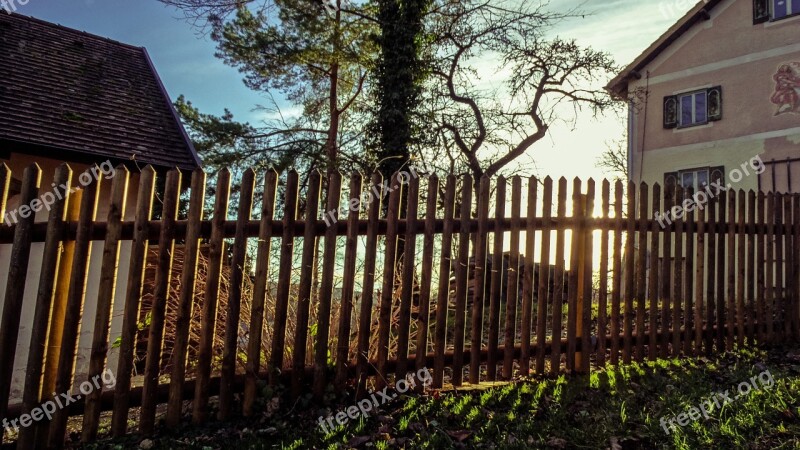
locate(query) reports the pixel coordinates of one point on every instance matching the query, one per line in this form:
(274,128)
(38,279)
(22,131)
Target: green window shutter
(671,111)
(760,11)
(714,103)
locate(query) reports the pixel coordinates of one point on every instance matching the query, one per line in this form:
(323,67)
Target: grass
(619,409)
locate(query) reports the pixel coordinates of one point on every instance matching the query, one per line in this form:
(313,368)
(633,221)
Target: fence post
(581,234)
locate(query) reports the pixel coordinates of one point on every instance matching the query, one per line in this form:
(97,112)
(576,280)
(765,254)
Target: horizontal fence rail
(313,280)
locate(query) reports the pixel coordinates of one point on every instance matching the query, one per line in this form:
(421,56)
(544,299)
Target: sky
(186,63)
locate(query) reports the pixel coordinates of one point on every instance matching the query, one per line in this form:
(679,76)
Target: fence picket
(389,282)
(574,273)
(75,300)
(462,277)
(558,290)
(528,279)
(208,316)
(348,282)
(641,270)
(496,280)
(653,284)
(407,278)
(677,290)
(616,290)
(602,307)
(443,292)
(133,298)
(260,289)
(769,272)
(512,290)
(629,274)
(731,256)
(105,298)
(544,297)
(481,243)
(423,317)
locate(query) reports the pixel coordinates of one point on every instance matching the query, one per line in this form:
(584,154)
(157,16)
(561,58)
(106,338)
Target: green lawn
(615,409)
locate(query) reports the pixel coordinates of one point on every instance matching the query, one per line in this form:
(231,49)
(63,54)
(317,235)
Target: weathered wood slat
(512,290)
(423,317)
(667,294)
(51,258)
(722,202)
(105,299)
(260,290)
(574,273)
(208,316)
(741,266)
(407,278)
(731,256)
(75,300)
(769,271)
(585,314)
(544,297)
(321,348)
(677,295)
(479,252)
(348,282)
(558,277)
(376,196)
(751,268)
(133,298)
(496,288)
(389,281)
(443,292)
(700,249)
(230,348)
(616,290)
(462,277)
(17,276)
(304,289)
(711,270)
(641,271)
(689,285)
(155,339)
(629,274)
(761,333)
(653,282)
(528,279)
(602,295)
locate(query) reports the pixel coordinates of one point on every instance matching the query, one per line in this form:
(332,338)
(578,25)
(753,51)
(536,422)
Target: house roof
(69,94)
(619,85)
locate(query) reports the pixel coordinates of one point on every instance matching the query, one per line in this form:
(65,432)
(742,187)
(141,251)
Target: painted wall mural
(787,89)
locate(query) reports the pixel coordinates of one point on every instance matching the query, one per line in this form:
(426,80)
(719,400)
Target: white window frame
(694,121)
(792,9)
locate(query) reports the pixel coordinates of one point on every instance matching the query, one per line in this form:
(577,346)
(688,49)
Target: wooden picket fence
(355,299)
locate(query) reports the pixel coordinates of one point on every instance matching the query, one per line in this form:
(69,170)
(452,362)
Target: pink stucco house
(720,87)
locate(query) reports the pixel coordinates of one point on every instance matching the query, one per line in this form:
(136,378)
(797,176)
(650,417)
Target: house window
(784,8)
(693,180)
(693,108)
(766,10)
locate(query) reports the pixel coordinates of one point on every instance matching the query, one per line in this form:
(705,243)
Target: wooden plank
(407,278)
(585,311)
(731,256)
(789,296)
(32,391)
(387,291)
(5,183)
(423,317)
(329,258)
(260,290)
(677,296)
(105,300)
(700,249)
(527,280)
(155,339)
(711,265)
(667,294)
(443,292)
(689,284)
(496,281)
(721,201)
(616,289)
(462,277)
(652,284)
(760,269)
(558,277)
(544,275)
(574,271)
(512,290)
(75,299)
(17,276)
(751,267)
(781,260)
(481,242)
(629,273)
(238,262)
(376,196)
(794,310)
(641,271)
(769,272)
(208,315)
(602,295)
(306,282)
(133,296)
(348,282)
(741,266)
